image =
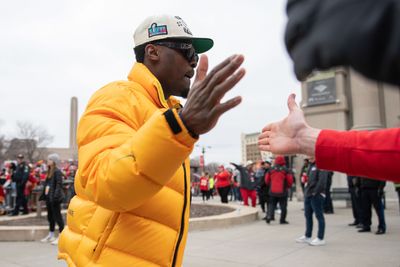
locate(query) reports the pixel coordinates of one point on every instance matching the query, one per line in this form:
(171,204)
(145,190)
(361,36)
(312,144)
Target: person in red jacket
(30,185)
(223,183)
(279,179)
(204,186)
(374,52)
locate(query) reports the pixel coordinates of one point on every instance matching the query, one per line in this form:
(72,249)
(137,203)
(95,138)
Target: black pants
(54,215)
(262,198)
(211,193)
(272,206)
(205,194)
(328,205)
(291,191)
(398,193)
(21,201)
(223,192)
(371,198)
(355,205)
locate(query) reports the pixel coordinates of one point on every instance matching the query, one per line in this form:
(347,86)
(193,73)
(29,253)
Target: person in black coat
(53,195)
(314,197)
(262,188)
(20,178)
(371,196)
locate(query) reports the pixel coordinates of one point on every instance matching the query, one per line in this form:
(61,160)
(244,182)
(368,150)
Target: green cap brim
(202,45)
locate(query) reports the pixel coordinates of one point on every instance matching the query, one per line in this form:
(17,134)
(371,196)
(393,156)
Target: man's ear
(152,52)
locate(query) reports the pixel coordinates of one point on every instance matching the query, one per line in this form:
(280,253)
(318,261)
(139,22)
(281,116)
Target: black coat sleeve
(363,34)
(58,194)
(322,181)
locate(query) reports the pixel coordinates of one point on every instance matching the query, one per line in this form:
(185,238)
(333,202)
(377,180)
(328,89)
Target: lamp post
(203,151)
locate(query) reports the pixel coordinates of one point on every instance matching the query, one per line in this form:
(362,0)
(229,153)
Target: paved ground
(259,244)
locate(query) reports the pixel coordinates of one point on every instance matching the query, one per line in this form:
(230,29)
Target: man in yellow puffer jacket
(129,211)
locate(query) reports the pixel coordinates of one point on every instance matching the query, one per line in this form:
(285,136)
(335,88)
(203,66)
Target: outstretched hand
(292,135)
(203,107)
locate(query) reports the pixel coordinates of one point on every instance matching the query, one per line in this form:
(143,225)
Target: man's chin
(185,93)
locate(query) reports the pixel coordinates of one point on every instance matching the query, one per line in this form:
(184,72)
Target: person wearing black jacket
(314,197)
(371,195)
(53,195)
(248,182)
(20,177)
(262,188)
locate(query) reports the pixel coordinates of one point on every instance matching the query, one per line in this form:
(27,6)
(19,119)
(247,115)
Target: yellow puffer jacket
(132,185)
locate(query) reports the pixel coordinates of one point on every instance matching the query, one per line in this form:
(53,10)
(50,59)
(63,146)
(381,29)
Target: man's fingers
(220,109)
(218,68)
(266,128)
(224,73)
(202,69)
(291,102)
(263,139)
(264,147)
(220,90)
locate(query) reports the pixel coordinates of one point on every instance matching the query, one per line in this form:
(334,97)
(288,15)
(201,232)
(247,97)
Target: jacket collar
(143,76)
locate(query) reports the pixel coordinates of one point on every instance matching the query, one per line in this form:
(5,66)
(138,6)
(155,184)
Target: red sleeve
(267,178)
(289,178)
(32,179)
(373,154)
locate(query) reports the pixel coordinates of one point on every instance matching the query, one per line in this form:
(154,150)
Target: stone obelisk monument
(73,127)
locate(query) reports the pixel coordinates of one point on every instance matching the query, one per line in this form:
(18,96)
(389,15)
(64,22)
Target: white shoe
(48,238)
(304,239)
(317,242)
(55,242)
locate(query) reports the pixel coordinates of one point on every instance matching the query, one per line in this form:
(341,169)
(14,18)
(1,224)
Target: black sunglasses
(187,50)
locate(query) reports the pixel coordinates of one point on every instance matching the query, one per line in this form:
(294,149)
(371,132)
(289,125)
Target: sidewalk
(259,244)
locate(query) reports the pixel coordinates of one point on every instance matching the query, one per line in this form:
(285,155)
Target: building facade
(250,149)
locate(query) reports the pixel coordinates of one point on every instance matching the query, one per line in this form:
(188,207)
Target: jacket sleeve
(322,180)
(125,159)
(368,30)
(58,194)
(374,154)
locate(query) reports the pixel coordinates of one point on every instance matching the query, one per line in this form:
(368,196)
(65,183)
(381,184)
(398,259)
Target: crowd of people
(268,183)
(271,184)
(23,184)
(21,181)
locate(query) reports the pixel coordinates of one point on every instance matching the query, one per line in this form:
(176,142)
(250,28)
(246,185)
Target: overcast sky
(53,50)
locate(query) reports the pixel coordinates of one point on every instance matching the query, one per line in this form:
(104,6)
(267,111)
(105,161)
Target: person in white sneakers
(49,238)
(53,195)
(313,203)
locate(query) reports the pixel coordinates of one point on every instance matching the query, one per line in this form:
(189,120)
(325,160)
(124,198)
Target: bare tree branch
(32,141)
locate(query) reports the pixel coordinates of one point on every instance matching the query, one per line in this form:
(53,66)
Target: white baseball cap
(169,27)
(249,162)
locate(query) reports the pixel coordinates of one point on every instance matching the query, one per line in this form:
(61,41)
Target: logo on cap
(155,30)
(183,24)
